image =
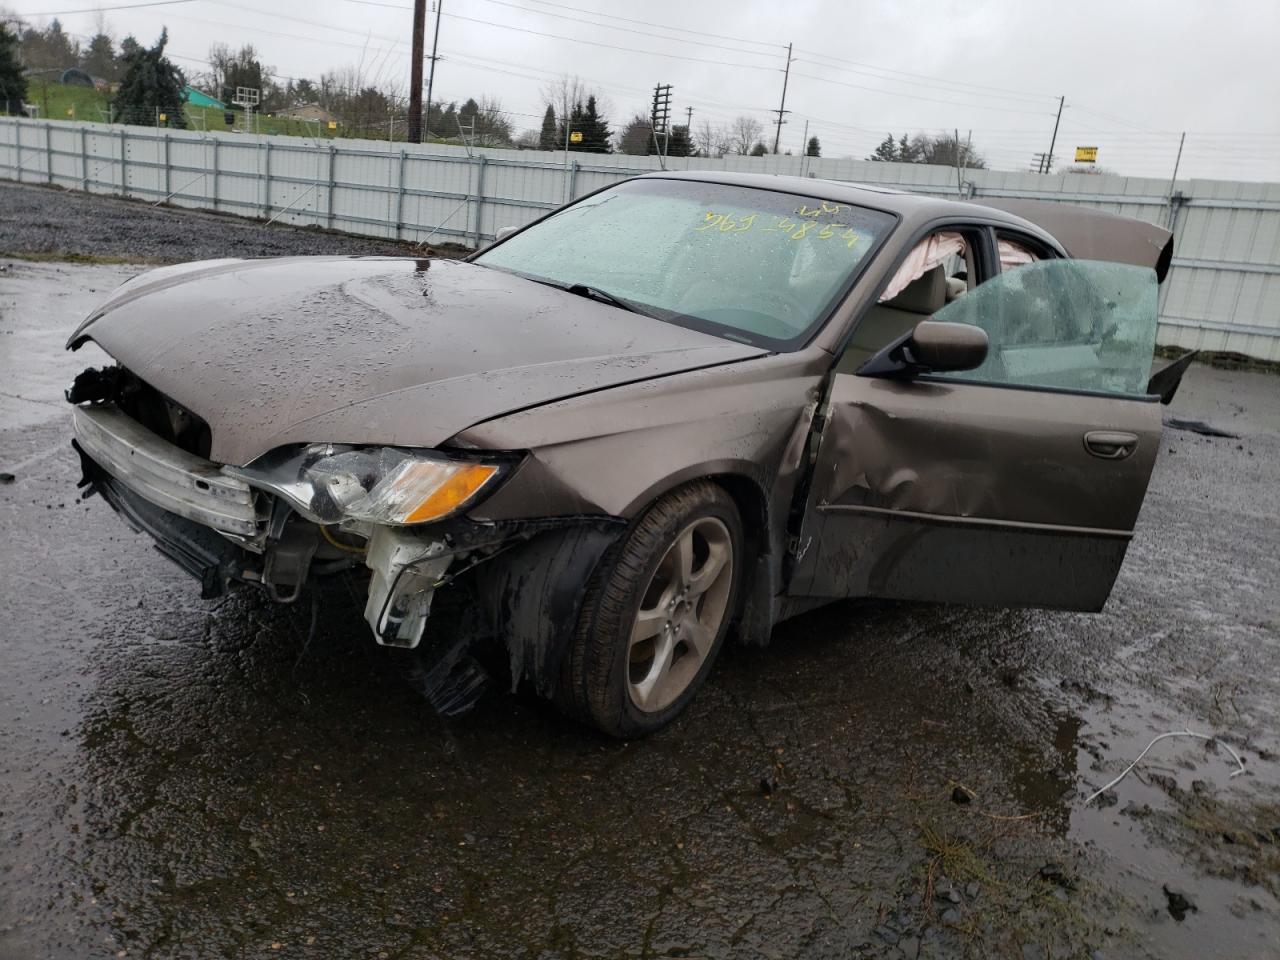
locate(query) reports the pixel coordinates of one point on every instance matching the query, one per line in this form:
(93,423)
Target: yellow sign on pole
(1086,154)
(333,124)
(164,117)
(575,136)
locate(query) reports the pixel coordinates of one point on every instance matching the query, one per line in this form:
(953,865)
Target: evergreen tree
(907,151)
(304,92)
(50,50)
(246,69)
(467,114)
(151,85)
(100,57)
(13,85)
(681,144)
(887,150)
(636,138)
(547,137)
(814,149)
(759,150)
(596,134)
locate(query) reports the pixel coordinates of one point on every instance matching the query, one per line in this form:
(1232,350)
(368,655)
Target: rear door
(1017,483)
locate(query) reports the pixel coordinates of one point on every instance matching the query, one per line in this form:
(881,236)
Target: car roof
(909,206)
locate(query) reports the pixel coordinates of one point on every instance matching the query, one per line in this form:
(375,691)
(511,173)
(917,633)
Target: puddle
(1162,827)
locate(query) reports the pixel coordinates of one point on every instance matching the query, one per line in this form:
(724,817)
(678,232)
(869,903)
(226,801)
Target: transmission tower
(660,118)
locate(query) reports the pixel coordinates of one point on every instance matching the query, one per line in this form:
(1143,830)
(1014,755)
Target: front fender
(531,597)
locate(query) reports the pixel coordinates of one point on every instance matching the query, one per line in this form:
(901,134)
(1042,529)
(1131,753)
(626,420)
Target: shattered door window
(1068,324)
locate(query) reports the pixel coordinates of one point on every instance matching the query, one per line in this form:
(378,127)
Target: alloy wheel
(680,615)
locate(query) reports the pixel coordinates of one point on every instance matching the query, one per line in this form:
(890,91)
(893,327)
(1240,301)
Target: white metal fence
(1222,294)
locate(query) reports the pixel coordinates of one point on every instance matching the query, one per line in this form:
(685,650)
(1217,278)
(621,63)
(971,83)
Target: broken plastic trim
(406,569)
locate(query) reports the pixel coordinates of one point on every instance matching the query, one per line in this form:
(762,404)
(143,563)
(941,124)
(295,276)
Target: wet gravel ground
(181,778)
(47,221)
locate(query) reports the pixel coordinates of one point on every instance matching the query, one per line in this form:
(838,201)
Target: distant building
(311,112)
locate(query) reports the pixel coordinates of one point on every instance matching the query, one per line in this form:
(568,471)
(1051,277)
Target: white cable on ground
(1177,733)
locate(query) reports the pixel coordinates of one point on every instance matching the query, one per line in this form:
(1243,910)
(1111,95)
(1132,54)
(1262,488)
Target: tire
(656,613)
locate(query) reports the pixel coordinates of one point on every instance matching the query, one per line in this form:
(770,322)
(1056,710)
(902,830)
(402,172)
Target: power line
(647,23)
(124,6)
(611,46)
(945,81)
(581,40)
(943,85)
(914,96)
(629,30)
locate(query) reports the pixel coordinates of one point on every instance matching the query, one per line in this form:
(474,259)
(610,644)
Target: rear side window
(1014,254)
(1066,324)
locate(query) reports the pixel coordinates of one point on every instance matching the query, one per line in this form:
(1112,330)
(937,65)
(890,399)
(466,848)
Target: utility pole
(782,107)
(568,126)
(1048,160)
(1177,163)
(962,160)
(804,149)
(688,122)
(431,74)
(1173,182)
(414,132)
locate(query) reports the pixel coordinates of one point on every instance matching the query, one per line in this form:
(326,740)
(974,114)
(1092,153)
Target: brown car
(684,404)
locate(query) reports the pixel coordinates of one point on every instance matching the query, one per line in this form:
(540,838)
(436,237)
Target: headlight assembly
(384,485)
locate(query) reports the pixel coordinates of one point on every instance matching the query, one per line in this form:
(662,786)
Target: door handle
(1110,444)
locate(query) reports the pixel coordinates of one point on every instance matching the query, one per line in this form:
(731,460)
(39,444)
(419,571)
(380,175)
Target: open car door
(1017,482)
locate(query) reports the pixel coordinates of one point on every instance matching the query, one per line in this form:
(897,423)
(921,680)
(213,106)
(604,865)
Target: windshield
(752,265)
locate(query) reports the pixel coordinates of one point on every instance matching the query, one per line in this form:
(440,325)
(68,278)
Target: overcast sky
(1135,73)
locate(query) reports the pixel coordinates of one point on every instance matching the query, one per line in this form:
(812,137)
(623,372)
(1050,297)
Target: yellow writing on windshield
(726,223)
(713,222)
(828,208)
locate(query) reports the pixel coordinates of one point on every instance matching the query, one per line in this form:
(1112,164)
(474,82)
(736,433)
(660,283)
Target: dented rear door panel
(971,493)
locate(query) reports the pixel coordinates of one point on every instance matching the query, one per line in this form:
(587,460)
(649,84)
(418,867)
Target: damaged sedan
(682,406)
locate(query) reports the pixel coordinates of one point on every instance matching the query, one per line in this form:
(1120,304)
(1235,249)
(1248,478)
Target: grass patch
(58,101)
(1016,904)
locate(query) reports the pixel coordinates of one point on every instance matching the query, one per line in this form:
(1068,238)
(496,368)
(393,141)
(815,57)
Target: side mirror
(503,232)
(932,347)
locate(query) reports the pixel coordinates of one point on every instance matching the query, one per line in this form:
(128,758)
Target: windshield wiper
(593,293)
(604,296)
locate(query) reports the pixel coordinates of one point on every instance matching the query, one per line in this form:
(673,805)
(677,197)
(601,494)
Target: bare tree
(711,140)
(564,93)
(945,150)
(492,128)
(357,104)
(528,140)
(744,133)
(221,58)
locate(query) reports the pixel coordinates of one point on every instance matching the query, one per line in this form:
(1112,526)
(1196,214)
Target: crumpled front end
(305,513)
(223,530)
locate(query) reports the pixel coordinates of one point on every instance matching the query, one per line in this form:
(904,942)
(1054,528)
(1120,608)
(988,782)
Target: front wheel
(656,613)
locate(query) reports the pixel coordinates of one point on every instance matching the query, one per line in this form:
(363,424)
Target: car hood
(374,350)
